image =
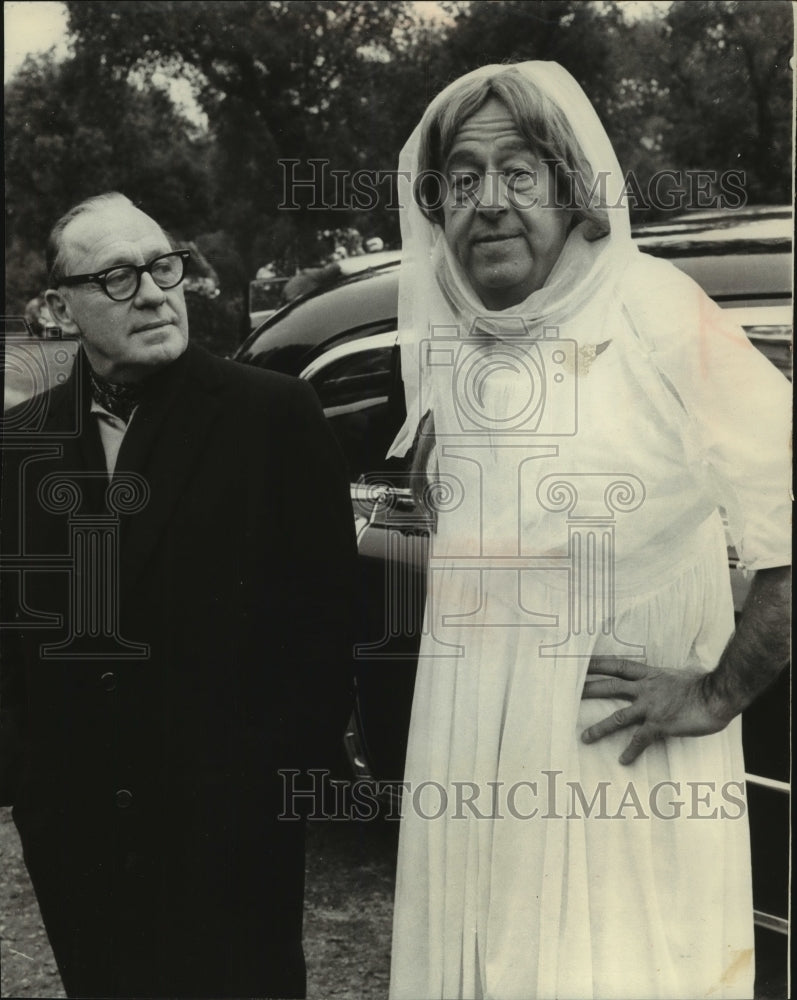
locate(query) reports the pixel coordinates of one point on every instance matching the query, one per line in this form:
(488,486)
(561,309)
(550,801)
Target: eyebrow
(115,262)
(506,144)
(123,260)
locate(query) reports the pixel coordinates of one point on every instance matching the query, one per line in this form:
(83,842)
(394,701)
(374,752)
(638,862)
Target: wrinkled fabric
(585,442)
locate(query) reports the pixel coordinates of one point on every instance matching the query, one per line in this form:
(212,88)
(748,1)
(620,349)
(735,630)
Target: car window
(363,401)
(354,381)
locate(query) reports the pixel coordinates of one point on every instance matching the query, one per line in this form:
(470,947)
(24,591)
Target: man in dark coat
(177,600)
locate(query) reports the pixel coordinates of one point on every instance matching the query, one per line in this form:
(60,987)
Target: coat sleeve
(737,403)
(320,582)
(12,666)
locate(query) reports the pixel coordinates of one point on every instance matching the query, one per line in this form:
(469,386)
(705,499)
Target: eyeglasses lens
(167,271)
(122,282)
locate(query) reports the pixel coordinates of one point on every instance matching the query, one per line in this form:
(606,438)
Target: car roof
(361,304)
(718,231)
(740,256)
(368,261)
(711,220)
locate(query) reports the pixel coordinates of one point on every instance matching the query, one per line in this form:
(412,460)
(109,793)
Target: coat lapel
(162,446)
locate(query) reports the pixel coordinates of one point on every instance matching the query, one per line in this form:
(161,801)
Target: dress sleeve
(737,403)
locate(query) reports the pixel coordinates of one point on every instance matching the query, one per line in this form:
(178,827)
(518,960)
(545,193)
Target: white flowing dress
(530,863)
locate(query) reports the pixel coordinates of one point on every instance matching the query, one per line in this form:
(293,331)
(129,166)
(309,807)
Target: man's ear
(61,311)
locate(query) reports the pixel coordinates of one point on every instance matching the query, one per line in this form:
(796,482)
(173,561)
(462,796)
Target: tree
(278,81)
(576,34)
(705,86)
(718,84)
(70,134)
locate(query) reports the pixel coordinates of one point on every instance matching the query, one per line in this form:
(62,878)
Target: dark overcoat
(179,637)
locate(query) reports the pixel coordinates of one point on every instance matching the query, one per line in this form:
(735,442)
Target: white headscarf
(433,290)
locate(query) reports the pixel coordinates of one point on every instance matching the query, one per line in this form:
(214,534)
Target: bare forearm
(668,702)
(758,650)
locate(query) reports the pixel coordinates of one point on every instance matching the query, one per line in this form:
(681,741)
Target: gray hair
(55,242)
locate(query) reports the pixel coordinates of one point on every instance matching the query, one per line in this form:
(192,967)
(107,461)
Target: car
(344,342)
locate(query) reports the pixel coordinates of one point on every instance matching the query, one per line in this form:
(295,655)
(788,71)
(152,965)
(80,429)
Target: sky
(32,27)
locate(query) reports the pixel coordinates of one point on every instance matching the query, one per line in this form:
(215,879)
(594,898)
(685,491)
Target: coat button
(124,798)
(108,681)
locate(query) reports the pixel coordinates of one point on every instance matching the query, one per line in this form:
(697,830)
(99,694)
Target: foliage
(218,325)
(706,85)
(25,275)
(730,85)
(578,35)
(70,133)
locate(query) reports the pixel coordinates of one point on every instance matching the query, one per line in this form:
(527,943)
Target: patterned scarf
(118,398)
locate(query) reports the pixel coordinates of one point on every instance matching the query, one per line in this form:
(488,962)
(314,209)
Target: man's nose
(494,196)
(149,292)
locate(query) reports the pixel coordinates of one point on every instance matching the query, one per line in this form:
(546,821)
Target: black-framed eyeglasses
(122,281)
